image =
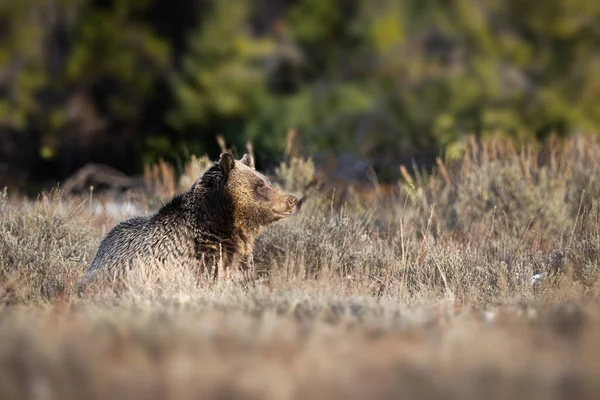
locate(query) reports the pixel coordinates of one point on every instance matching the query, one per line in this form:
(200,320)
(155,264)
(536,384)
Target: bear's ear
(248,160)
(227,162)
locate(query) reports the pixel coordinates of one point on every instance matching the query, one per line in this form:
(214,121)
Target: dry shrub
(160,181)
(44,246)
(478,229)
(277,347)
(472,282)
(193,170)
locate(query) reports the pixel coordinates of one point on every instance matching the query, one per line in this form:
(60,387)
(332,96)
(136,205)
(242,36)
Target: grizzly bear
(214,223)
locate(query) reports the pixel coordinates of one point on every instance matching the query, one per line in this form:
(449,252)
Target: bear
(215,222)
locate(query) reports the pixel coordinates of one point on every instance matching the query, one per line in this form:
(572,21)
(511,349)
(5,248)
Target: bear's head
(256,202)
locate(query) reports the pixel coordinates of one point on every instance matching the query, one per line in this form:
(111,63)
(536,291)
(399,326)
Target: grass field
(479,280)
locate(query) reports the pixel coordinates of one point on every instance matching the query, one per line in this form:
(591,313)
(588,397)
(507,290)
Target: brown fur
(215,222)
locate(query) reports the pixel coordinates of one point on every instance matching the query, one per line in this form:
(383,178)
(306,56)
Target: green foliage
(380,78)
(221,77)
(326,116)
(68,47)
(128,53)
(20,62)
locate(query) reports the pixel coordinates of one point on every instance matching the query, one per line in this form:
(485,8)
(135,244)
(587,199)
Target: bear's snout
(292,201)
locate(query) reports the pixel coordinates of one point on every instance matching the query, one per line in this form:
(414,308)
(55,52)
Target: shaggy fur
(215,221)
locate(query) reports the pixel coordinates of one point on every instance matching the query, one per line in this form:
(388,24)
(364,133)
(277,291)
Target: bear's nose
(292,201)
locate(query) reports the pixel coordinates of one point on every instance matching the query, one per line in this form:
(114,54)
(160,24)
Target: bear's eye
(260,184)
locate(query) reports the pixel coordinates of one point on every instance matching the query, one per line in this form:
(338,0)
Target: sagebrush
(479,278)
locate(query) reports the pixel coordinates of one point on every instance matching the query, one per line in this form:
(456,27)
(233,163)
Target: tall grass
(477,279)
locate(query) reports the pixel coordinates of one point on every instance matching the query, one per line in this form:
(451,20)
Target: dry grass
(422,290)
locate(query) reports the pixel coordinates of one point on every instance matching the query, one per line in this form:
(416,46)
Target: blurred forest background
(127,82)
